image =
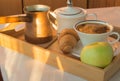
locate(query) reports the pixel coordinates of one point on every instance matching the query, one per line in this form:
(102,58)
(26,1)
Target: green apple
(98,54)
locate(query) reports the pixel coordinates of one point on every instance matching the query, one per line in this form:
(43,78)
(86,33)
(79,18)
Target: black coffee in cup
(93,28)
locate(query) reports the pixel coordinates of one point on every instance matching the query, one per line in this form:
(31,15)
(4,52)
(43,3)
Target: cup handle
(118,37)
(92,14)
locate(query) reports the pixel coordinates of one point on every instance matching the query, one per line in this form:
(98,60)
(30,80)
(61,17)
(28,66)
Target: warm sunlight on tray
(54,57)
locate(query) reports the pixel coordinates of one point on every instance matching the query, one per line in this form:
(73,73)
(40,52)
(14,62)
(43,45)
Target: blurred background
(13,7)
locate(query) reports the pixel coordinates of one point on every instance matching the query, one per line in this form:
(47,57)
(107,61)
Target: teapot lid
(69,10)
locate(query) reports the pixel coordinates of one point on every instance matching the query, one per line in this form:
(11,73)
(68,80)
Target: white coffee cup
(87,38)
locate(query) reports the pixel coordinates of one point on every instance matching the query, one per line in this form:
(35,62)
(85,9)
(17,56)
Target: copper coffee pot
(38,29)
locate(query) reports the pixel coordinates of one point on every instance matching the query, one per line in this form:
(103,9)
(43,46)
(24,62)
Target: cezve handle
(12,19)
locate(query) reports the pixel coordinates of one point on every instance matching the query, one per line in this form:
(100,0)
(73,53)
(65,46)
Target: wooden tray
(50,54)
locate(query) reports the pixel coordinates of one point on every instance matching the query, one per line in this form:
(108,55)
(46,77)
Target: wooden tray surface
(51,54)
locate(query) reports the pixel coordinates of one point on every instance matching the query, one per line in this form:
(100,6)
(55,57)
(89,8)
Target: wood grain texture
(11,7)
(110,3)
(117,2)
(102,3)
(96,3)
(56,3)
(14,7)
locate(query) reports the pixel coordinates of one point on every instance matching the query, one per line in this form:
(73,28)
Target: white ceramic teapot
(66,17)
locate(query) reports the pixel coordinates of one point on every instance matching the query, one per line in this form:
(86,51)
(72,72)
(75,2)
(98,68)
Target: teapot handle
(52,18)
(93,15)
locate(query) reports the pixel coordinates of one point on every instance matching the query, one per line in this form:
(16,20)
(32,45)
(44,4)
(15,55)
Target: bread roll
(69,31)
(67,40)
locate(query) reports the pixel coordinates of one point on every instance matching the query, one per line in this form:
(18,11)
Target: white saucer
(76,51)
(116,47)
